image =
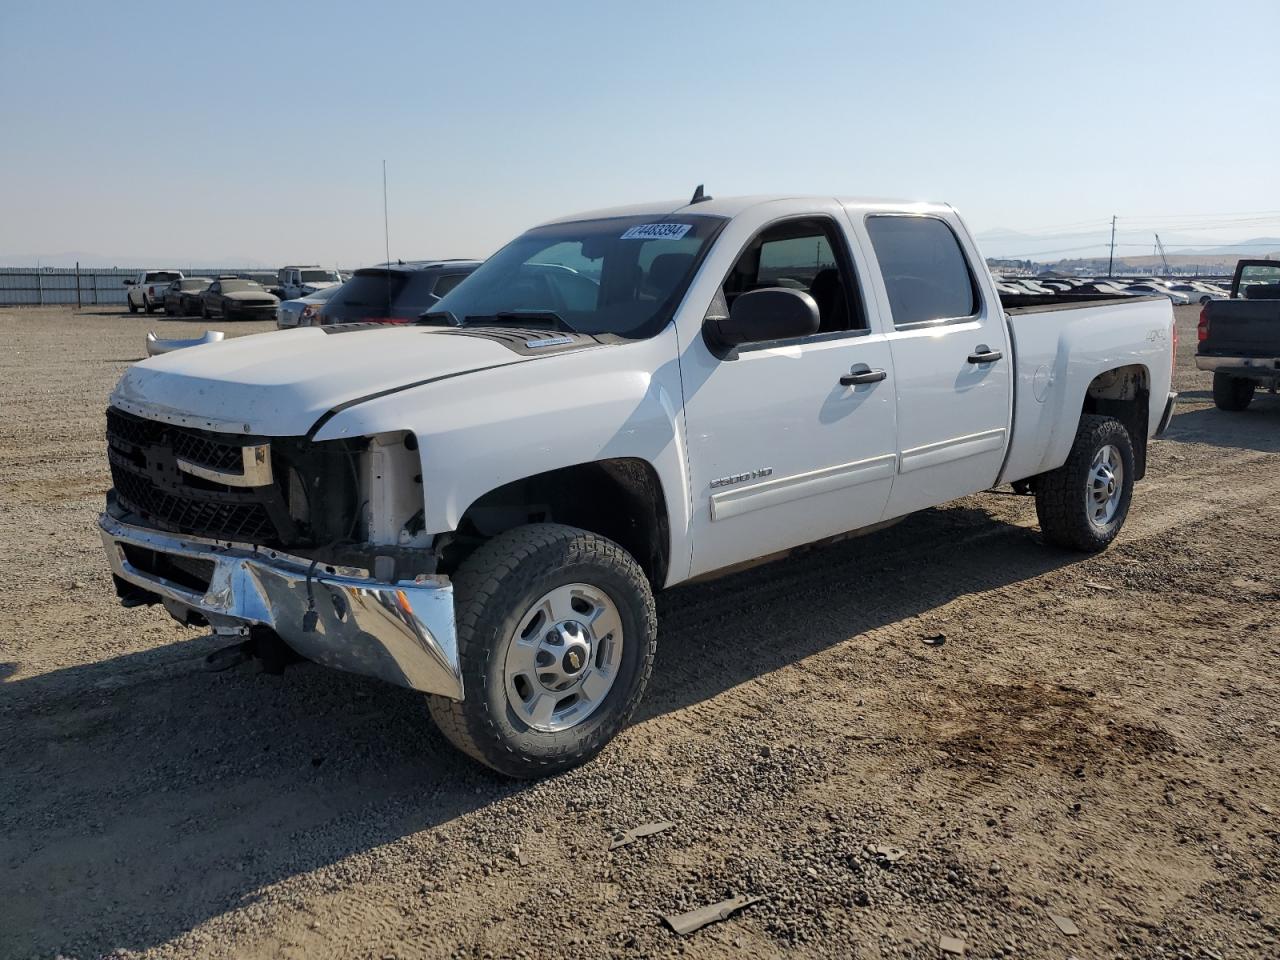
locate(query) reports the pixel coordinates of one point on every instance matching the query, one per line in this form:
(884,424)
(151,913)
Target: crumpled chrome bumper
(399,632)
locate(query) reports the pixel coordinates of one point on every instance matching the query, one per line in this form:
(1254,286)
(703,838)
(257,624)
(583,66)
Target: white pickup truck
(147,289)
(295,282)
(481,506)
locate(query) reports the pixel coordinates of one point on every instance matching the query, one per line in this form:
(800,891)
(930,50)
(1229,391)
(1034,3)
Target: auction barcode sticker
(657,231)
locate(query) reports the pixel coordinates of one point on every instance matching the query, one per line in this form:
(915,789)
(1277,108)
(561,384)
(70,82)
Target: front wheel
(1232,393)
(1083,504)
(556,636)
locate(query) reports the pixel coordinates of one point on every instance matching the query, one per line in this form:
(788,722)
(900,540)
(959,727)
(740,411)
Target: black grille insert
(143,456)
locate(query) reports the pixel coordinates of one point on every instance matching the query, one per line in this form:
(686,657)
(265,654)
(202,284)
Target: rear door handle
(864,375)
(984,354)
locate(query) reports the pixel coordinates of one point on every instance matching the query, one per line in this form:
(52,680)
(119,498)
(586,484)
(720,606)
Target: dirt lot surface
(1095,741)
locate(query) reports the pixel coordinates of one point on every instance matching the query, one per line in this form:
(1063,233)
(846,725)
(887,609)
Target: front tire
(556,636)
(1083,504)
(1232,393)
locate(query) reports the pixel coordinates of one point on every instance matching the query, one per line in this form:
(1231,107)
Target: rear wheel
(133,307)
(148,305)
(1232,393)
(1083,504)
(556,636)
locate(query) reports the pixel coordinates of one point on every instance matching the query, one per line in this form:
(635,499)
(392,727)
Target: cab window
(925,272)
(805,254)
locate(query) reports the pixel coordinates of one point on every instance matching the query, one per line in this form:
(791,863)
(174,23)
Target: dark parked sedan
(235,299)
(182,299)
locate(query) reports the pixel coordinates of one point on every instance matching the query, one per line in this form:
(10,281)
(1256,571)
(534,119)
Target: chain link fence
(92,286)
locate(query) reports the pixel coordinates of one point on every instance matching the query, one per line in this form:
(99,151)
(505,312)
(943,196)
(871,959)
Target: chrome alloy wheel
(1106,485)
(563,657)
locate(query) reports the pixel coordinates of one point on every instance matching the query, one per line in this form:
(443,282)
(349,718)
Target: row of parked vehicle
(229,296)
(1179,292)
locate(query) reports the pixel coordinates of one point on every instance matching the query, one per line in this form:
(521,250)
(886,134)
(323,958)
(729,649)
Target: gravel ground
(1095,740)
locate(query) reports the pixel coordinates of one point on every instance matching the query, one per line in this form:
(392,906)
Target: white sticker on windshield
(657,231)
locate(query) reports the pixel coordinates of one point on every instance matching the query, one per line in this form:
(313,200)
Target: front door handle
(984,354)
(863,375)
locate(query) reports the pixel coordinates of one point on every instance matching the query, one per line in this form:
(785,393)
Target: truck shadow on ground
(148,796)
(1255,428)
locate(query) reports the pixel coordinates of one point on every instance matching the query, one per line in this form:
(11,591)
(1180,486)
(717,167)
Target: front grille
(248,522)
(198,448)
(143,455)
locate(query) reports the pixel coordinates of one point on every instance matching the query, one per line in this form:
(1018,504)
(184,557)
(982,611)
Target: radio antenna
(386,223)
(386,233)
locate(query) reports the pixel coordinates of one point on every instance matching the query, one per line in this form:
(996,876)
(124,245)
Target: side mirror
(130,283)
(774,313)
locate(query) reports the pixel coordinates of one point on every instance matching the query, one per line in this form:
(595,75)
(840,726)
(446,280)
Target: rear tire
(520,593)
(133,307)
(148,305)
(1083,504)
(1232,393)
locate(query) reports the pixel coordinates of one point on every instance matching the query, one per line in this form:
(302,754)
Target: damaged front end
(320,543)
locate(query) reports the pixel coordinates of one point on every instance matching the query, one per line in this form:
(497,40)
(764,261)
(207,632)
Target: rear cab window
(161,276)
(926,273)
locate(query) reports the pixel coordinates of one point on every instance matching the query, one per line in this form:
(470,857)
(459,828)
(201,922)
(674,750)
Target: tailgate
(1242,328)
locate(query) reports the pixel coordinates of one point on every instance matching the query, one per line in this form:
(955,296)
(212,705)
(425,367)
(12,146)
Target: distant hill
(1249,248)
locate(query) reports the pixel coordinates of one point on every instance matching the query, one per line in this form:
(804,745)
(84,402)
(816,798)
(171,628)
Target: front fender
(479,431)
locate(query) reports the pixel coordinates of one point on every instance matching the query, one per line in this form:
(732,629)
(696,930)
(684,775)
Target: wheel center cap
(574,659)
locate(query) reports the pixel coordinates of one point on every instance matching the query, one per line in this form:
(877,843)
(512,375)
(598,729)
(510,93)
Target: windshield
(622,275)
(372,289)
(319,276)
(239,286)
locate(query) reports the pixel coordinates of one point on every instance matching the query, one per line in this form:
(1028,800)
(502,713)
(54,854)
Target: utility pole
(1112,259)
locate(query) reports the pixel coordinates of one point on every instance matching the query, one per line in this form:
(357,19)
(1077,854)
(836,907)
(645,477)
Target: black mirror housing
(773,313)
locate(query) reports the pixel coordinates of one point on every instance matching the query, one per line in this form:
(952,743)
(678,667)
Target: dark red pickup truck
(1240,338)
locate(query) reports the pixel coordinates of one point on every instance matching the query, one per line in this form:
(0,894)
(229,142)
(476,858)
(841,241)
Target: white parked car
(147,289)
(302,311)
(481,505)
(1152,289)
(1197,292)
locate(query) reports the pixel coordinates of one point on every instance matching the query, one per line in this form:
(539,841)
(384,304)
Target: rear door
(781,452)
(953,384)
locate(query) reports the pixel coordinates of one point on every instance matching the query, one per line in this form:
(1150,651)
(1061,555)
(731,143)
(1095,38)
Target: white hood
(279,384)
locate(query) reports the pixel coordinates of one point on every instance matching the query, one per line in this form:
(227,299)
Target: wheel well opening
(1125,394)
(621,499)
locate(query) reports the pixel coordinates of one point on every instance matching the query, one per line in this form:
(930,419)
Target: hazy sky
(234,132)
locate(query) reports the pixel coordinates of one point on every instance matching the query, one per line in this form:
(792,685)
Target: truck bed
(1051,353)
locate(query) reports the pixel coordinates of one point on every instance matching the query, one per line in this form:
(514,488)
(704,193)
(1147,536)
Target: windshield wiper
(521,318)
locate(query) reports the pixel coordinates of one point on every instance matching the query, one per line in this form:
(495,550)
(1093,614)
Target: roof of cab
(729,207)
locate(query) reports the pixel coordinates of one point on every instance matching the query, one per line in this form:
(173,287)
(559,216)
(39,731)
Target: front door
(954,366)
(781,451)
